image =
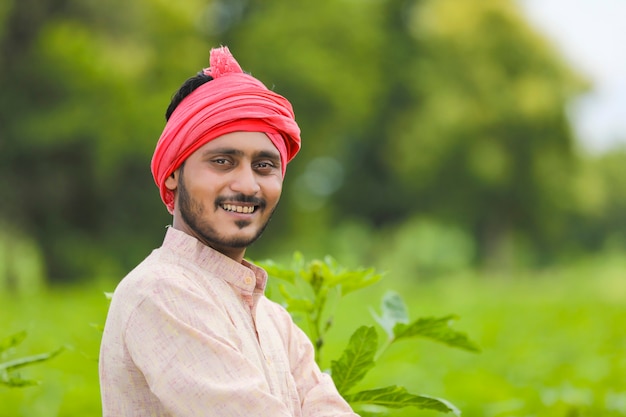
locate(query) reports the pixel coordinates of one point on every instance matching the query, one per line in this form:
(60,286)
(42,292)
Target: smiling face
(227,190)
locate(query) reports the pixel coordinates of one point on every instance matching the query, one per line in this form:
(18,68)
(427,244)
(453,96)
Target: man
(189,331)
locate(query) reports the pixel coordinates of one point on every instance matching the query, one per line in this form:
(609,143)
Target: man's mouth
(234,208)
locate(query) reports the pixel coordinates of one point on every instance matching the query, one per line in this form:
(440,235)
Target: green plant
(311,292)
(9,375)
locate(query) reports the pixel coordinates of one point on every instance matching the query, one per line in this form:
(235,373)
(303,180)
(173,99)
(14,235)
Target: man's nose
(245,181)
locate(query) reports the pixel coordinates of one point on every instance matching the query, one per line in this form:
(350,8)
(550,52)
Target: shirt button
(247,280)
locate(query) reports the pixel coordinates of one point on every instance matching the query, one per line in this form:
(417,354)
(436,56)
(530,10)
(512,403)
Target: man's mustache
(241,198)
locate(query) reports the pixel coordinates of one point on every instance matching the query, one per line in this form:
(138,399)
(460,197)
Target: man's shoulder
(155,270)
(152,266)
(277,312)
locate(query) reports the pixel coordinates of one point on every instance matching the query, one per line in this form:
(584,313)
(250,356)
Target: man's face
(227,191)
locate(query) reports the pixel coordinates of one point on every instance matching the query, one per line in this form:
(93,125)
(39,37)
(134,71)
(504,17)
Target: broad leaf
(438,329)
(398,397)
(355,280)
(296,304)
(357,359)
(277,271)
(393,311)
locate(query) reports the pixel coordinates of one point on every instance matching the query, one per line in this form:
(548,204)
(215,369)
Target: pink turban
(232,102)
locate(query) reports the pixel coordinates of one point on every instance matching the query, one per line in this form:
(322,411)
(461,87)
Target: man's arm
(317,391)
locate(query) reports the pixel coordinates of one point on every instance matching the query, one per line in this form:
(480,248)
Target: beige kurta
(190,333)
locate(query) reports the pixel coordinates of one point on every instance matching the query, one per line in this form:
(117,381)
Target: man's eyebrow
(222,151)
(268,154)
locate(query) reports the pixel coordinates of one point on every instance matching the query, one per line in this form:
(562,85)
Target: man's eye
(220,161)
(265,165)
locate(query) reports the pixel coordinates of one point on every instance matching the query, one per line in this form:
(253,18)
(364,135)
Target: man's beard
(191,211)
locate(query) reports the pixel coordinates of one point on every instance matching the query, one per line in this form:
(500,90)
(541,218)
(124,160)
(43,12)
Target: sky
(591,36)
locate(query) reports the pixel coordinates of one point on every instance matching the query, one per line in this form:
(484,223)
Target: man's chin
(239,240)
(242,242)
(231,236)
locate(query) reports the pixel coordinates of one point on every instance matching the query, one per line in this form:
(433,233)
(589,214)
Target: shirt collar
(247,277)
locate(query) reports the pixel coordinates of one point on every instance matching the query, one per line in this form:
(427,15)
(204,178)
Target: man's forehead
(241,143)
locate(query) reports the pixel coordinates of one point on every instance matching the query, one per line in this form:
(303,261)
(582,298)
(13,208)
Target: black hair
(187,88)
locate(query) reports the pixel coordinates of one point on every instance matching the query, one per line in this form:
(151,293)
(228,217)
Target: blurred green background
(437,146)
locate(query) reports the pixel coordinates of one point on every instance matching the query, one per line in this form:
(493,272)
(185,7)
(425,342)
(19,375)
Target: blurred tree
(597,220)
(481,138)
(488,144)
(85,87)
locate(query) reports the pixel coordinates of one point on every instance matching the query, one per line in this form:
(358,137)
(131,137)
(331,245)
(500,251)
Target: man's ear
(172,181)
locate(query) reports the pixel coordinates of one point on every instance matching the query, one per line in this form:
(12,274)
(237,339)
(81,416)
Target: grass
(552,343)
(69,382)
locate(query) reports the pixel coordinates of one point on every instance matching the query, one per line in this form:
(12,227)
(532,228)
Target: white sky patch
(591,35)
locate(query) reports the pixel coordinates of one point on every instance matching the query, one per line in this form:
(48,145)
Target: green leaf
(354,280)
(398,397)
(275,270)
(393,310)
(438,329)
(12,341)
(28,360)
(357,359)
(332,275)
(15,381)
(296,304)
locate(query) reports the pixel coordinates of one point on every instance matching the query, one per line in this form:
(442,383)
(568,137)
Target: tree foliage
(85,88)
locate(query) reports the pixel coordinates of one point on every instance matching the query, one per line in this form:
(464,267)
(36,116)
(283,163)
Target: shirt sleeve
(187,351)
(317,391)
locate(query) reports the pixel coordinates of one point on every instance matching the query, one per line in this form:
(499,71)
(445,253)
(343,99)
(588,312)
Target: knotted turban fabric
(232,102)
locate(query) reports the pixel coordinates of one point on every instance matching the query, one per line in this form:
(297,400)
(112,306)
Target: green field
(553,343)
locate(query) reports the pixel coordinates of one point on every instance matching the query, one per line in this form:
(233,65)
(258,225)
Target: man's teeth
(238,209)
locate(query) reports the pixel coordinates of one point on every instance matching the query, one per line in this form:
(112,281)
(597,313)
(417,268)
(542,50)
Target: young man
(189,331)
